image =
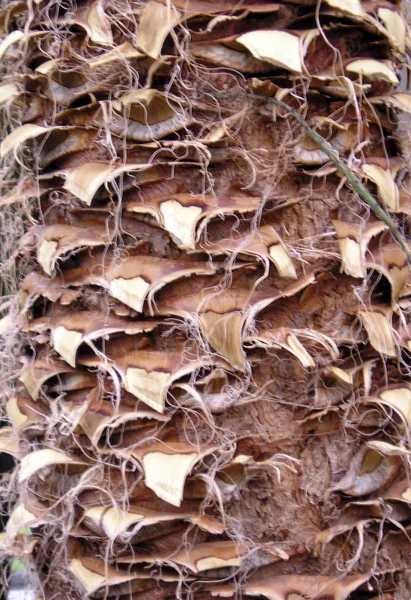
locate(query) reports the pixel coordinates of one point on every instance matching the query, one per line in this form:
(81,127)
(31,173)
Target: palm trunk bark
(206,298)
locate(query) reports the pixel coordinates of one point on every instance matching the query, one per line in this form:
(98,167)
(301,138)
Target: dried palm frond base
(205,221)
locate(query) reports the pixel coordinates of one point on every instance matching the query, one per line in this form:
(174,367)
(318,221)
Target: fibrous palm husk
(205,329)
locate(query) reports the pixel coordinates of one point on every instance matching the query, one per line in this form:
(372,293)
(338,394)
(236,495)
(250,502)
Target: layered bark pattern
(207,386)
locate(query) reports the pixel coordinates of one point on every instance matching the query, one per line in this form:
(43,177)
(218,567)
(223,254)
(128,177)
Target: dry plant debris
(205,218)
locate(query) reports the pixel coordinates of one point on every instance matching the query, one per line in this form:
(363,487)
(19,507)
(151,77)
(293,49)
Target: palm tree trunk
(205,211)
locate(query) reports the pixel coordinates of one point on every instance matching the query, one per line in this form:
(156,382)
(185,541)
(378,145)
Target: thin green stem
(349,175)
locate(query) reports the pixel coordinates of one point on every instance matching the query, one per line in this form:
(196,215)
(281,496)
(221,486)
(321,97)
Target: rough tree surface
(205,355)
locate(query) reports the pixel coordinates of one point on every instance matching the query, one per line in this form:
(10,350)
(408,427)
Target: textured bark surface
(205,329)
